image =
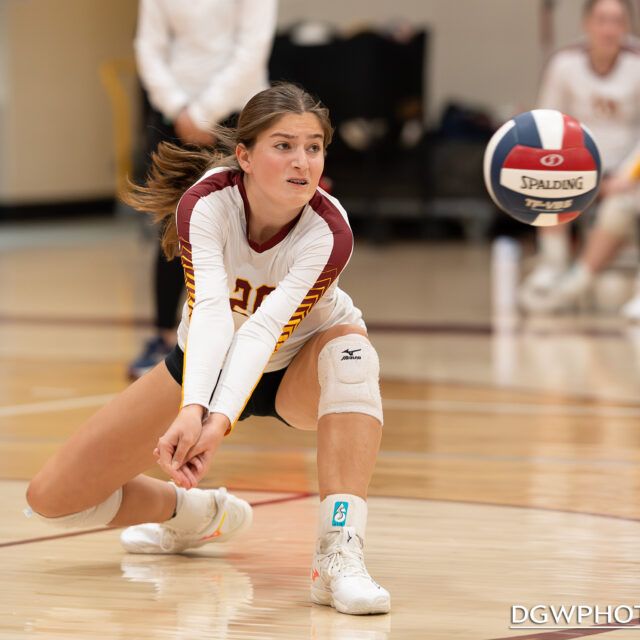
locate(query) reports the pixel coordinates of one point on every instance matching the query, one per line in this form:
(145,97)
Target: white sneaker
(631,309)
(339,578)
(569,292)
(231,517)
(544,277)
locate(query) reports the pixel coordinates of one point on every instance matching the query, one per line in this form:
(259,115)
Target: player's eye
(283,146)
(315,148)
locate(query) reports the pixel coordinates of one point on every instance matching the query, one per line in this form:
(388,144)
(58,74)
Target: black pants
(263,399)
(168,277)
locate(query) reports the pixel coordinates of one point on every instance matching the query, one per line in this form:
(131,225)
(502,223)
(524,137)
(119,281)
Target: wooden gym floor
(508,473)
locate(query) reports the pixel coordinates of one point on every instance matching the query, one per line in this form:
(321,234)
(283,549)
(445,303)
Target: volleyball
(542,167)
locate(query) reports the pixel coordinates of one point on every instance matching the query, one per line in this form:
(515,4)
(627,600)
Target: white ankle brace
(191,507)
(341,510)
(348,371)
(101,514)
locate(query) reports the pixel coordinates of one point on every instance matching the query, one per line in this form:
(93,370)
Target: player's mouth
(300,182)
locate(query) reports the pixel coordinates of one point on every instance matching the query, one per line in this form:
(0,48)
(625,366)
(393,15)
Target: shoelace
(346,560)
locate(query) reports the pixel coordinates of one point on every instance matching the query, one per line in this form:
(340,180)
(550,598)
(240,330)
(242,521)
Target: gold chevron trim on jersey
(189,277)
(315,293)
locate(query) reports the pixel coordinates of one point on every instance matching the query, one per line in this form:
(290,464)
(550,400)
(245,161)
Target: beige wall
(55,121)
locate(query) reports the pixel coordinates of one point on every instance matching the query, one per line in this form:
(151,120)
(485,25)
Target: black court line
(261,503)
(565,634)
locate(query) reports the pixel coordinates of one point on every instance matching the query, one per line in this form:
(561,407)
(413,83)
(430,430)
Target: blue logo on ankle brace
(340,514)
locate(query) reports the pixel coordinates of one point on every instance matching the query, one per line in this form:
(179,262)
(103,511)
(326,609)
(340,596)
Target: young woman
(597,82)
(265,331)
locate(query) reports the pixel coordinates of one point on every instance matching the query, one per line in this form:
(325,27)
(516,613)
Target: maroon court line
(380,327)
(573,633)
(302,496)
(261,503)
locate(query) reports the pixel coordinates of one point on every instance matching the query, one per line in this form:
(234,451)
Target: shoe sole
(358,608)
(152,549)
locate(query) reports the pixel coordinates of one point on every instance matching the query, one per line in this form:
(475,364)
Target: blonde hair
(174,169)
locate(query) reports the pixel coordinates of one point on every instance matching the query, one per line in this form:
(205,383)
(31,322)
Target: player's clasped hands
(186,449)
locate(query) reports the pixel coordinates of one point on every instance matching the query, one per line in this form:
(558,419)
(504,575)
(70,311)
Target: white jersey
(609,105)
(250,308)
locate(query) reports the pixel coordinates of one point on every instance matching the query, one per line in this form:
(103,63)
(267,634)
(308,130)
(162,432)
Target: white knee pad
(348,371)
(617,213)
(99,515)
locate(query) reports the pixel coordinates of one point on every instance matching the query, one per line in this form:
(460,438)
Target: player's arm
(251,50)
(151,45)
(553,90)
(202,237)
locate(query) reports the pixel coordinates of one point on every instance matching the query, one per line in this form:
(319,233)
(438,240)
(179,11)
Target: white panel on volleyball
(550,125)
(489,151)
(546,220)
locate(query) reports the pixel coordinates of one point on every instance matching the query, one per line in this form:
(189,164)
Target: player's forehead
(607,8)
(295,126)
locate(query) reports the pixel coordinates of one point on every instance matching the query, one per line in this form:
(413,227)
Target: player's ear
(243,157)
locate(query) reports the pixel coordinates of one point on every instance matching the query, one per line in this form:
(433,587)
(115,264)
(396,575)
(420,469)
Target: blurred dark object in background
(384,167)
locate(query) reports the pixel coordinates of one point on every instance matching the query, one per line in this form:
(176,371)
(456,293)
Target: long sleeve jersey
(609,105)
(250,308)
(209,56)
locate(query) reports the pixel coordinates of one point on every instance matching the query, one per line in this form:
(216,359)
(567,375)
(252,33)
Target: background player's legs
(612,229)
(168,277)
(109,451)
(169,285)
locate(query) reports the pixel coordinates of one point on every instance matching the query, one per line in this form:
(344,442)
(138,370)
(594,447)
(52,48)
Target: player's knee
(41,497)
(617,215)
(348,373)
(47,505)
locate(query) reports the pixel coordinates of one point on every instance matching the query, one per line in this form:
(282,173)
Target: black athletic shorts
(263,399)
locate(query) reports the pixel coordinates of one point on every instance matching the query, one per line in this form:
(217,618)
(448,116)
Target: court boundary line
(72,534)
(599,409)
(310,494)
(436,328)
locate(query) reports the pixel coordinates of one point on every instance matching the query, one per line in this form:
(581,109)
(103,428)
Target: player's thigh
(299,392)
(112,446)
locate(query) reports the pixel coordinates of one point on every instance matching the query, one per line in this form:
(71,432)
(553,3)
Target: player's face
(286,161)
(606,25)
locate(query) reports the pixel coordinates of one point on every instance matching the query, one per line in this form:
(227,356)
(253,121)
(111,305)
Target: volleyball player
(598,83)
(265,331)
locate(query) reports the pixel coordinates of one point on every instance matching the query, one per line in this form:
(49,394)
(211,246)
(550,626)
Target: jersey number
(244,288)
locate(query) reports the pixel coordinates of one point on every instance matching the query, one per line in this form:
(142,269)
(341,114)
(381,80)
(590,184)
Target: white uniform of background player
(603,92)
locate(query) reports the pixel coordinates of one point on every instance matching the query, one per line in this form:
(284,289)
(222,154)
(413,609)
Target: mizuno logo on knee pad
(348,377)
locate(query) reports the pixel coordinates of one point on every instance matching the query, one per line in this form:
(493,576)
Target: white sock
(341,510)
(578,279)
(554,246)
(191,507)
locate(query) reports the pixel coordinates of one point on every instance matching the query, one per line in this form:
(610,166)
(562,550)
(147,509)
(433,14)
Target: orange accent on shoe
(314,575)
(217,532)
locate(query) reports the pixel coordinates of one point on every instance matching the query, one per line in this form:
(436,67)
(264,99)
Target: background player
(598,83)
(262,232)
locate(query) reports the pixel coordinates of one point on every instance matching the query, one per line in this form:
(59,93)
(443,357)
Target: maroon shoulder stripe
(216,182)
